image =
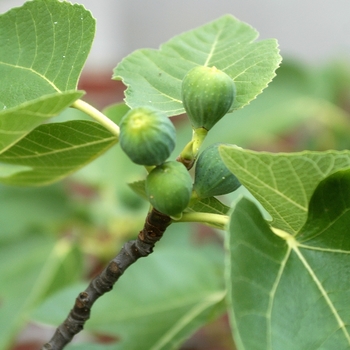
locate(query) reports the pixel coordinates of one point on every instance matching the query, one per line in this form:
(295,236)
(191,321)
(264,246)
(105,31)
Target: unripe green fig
(169,188)
(212,178)
(207,95)
(147,136)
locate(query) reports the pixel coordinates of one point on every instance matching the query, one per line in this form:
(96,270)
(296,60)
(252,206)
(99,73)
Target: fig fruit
(207,95)
(147,136)
(212,178)
(169,188)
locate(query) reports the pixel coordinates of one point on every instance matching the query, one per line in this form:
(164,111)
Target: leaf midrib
(73,147)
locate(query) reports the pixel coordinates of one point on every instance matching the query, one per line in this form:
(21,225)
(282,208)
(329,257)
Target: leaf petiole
(97,115)
(209,219)
(190,152)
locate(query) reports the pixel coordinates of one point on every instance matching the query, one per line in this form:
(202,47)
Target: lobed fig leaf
(147,136)
(169,188)
(207,95)
(212,177)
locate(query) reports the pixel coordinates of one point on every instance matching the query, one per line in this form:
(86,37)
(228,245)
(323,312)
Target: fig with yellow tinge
(207,95)
(147,136)
(169,187)
(212,178)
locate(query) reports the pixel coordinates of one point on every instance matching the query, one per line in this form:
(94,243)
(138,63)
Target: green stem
(98,116)
(198,137)
(209,219)
(190,152)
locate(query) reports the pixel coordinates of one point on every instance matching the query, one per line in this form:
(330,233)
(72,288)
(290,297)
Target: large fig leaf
(154,77)
(292,292)
(53,151)
(45,46)
(283,182)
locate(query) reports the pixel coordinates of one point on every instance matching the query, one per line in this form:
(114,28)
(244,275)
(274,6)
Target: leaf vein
(272,297)
(56,151)
(324,293)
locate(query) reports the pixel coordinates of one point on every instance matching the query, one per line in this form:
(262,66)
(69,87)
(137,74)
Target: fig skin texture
(147,136)
(207,95)
(169,188)
(212,178)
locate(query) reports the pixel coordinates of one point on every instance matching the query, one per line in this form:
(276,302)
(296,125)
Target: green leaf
(283,182)
(47,43)
(208,205)
(18,121)
(53,151)
(154,77)
(328,215)
(254,258)
(139,188)
(11,169)
(29,269)
(149,308)
(292,292)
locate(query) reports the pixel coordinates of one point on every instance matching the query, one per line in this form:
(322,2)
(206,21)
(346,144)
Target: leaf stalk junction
(98,116)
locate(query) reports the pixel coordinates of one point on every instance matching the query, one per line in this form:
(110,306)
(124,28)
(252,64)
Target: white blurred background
(314,31)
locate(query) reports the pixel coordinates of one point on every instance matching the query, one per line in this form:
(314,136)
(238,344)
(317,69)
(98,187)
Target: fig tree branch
(154,227)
